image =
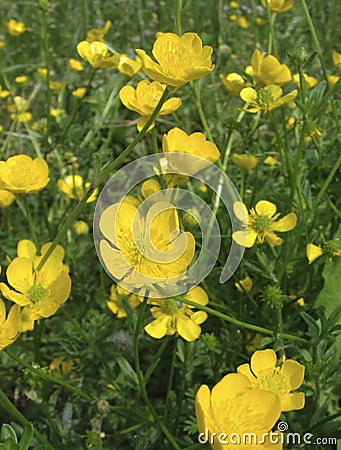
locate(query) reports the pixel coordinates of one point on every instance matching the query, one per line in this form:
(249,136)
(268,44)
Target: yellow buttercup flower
(144,99)
(129,67)
(9,326)
(266,99)
(6,198)
(233,82)
(57,86)
(234,4)
(75,65)
(174,317)
(268,70)
(79,92)
(21,79)
(81,227)
(243,23)
(42,71)
(233,407)
(2,44)
(39,292)
(264,372)
(329,248)
(261,223)
(15,28)
(336,59)
(332,79)
(310,81)
(4,93)
(245,162)
(60,365)
(144,247)
(18,111)
(270,161)
(117,295)
(96,54)
(177,141)
(278,6)
(22,175)
(179,59)
(150,187)
(97,34)
(244,285)
(73,186)
(300,301)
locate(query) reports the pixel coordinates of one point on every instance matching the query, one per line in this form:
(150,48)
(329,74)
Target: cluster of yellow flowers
(249,402)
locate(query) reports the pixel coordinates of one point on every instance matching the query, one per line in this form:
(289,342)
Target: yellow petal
(19,274)
(245,238)
(186,328)
(272,238)
(313,252)
(287,223)
(14,296)
(158,328)
(294,372)
(2,312)
(199,317)
(240,211)
(197,295)
(263,359)
(113,260)
(249,95)
(293,402)
(26,249)
(265,208)
(244,369)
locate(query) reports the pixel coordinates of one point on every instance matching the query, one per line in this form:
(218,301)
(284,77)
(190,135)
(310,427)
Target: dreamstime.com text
(272,437)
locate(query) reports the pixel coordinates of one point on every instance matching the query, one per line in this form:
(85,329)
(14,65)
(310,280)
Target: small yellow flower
(233,82)
(15,28)
(79,92)
(278,6)
(57,113)
(81,227)
(144,98)
(177,141)
(261,223)
(270,161)
(243,23)
(233,17)
(97,34)
(9,327)
(268,70)
(57,86)
(330,248)
(266,99)
(300,301)
(244,285)
(60,365)
(245,162)
(4,93)
(21,79)
(2,44)
(96,54)
(234,4)
(6,198)
(336,59)
(233,408)
(265,373)
(179,59)
(172,316)
(22,175)
(332,79)
(310,81)
(75,65)
(144,246)
(39,292)
(18,111)
(150,187)
(129,67)
(42,71)
(73,186)
(259,21)
(117,295)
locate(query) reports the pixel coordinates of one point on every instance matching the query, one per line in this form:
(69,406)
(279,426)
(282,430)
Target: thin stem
(178,17)
(141,381)
(272,36)
(240,323)
(105,171)
(315,38)
(16,414)
(30,222)
(170,379)
(48,377)
(196,92)
(47,67)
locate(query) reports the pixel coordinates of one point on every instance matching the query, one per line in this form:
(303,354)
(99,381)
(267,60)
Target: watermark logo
(139,241)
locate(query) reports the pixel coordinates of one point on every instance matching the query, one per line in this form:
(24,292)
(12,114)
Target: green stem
(105,171)
(141,381)
(295,171)
(48,377)
(240,323)
(154,141)
(16,414)
(196,92)
(170,379)
(47,67)
(272,36)
(178,17)
(75,111)
(30,222)
(315,38)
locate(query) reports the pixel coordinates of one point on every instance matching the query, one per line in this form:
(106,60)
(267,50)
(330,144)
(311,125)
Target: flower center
(171,306)
(264,97)
(36,292)
(330,248)
(261,224)
(273,380)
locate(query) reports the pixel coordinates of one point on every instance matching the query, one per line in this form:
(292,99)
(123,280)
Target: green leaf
(26,437)
(7,432)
